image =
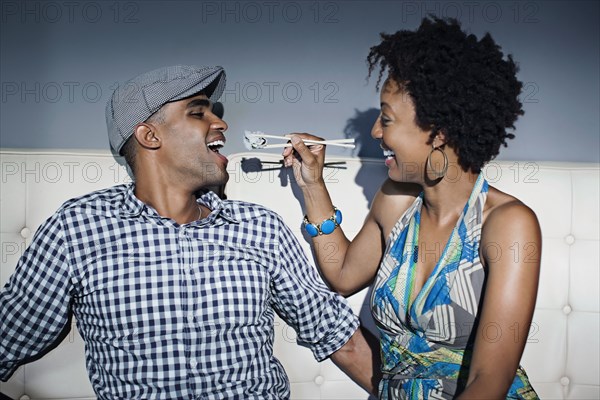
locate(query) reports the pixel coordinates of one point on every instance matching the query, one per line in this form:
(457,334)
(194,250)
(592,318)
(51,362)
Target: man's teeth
(388,153)
(216,145)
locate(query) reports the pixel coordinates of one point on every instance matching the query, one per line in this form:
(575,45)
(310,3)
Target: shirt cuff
(337,330)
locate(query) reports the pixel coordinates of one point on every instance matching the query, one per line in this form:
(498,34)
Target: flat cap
(140,97)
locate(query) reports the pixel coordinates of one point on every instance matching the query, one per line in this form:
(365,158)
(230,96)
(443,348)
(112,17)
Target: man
(173,295)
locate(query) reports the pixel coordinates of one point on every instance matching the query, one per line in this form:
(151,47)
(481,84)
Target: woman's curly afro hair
(459,85)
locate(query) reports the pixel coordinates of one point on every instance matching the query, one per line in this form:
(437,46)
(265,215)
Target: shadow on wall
(359,128)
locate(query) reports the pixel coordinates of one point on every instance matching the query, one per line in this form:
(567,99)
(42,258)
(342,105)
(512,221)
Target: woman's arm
(347,266)
(511,250)
(359,359)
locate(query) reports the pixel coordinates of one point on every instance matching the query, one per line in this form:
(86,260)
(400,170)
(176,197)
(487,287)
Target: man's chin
(215,185)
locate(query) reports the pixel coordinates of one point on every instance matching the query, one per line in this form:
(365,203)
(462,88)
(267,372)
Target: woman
(452,302)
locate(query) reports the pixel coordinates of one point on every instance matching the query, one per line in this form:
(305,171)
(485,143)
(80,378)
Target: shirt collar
(132,206)
(219,207)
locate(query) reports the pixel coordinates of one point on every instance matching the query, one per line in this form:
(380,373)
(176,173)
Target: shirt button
(565,381)
(193,363)
(319,380)
(190,317)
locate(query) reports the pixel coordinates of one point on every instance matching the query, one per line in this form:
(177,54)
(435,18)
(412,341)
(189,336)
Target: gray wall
(292,66)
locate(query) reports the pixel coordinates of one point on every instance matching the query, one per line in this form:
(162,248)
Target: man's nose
(217,124)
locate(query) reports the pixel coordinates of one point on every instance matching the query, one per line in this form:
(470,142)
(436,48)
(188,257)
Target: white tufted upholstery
(562,356)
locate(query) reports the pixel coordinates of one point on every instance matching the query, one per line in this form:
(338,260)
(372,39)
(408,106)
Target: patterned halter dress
(426,345)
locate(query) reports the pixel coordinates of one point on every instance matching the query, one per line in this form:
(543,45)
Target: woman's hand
(347,267)
(307,161)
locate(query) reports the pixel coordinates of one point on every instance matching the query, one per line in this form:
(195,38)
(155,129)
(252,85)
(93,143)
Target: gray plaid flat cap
(137,99)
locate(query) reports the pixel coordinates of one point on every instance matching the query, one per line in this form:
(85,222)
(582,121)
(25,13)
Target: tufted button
(319,380)
(567,309)
(24,397)
(565,381)
(569,239)
(25,232)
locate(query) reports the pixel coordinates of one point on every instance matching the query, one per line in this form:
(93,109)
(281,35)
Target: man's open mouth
(215,145)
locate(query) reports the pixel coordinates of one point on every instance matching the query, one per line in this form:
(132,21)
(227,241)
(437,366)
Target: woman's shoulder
(505,214)
(392,200)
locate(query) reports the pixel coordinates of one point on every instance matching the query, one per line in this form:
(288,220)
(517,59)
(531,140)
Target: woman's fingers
(306,160)
(288,152)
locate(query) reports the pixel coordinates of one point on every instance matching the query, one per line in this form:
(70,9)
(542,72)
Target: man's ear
(147,136)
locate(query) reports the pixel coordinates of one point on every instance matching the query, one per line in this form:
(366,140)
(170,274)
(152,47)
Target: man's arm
(322,319)
(34,304)
(359,361)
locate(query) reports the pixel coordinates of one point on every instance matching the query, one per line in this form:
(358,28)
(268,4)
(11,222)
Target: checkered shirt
(169,311)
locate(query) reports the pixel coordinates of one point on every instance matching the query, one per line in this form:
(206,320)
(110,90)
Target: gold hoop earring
(437,174)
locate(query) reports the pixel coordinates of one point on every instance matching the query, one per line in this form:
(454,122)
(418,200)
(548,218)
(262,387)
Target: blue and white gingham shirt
(169,311)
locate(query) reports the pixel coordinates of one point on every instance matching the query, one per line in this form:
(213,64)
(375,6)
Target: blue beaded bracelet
(326,227)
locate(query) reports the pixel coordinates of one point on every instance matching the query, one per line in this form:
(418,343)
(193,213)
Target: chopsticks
(347,143)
